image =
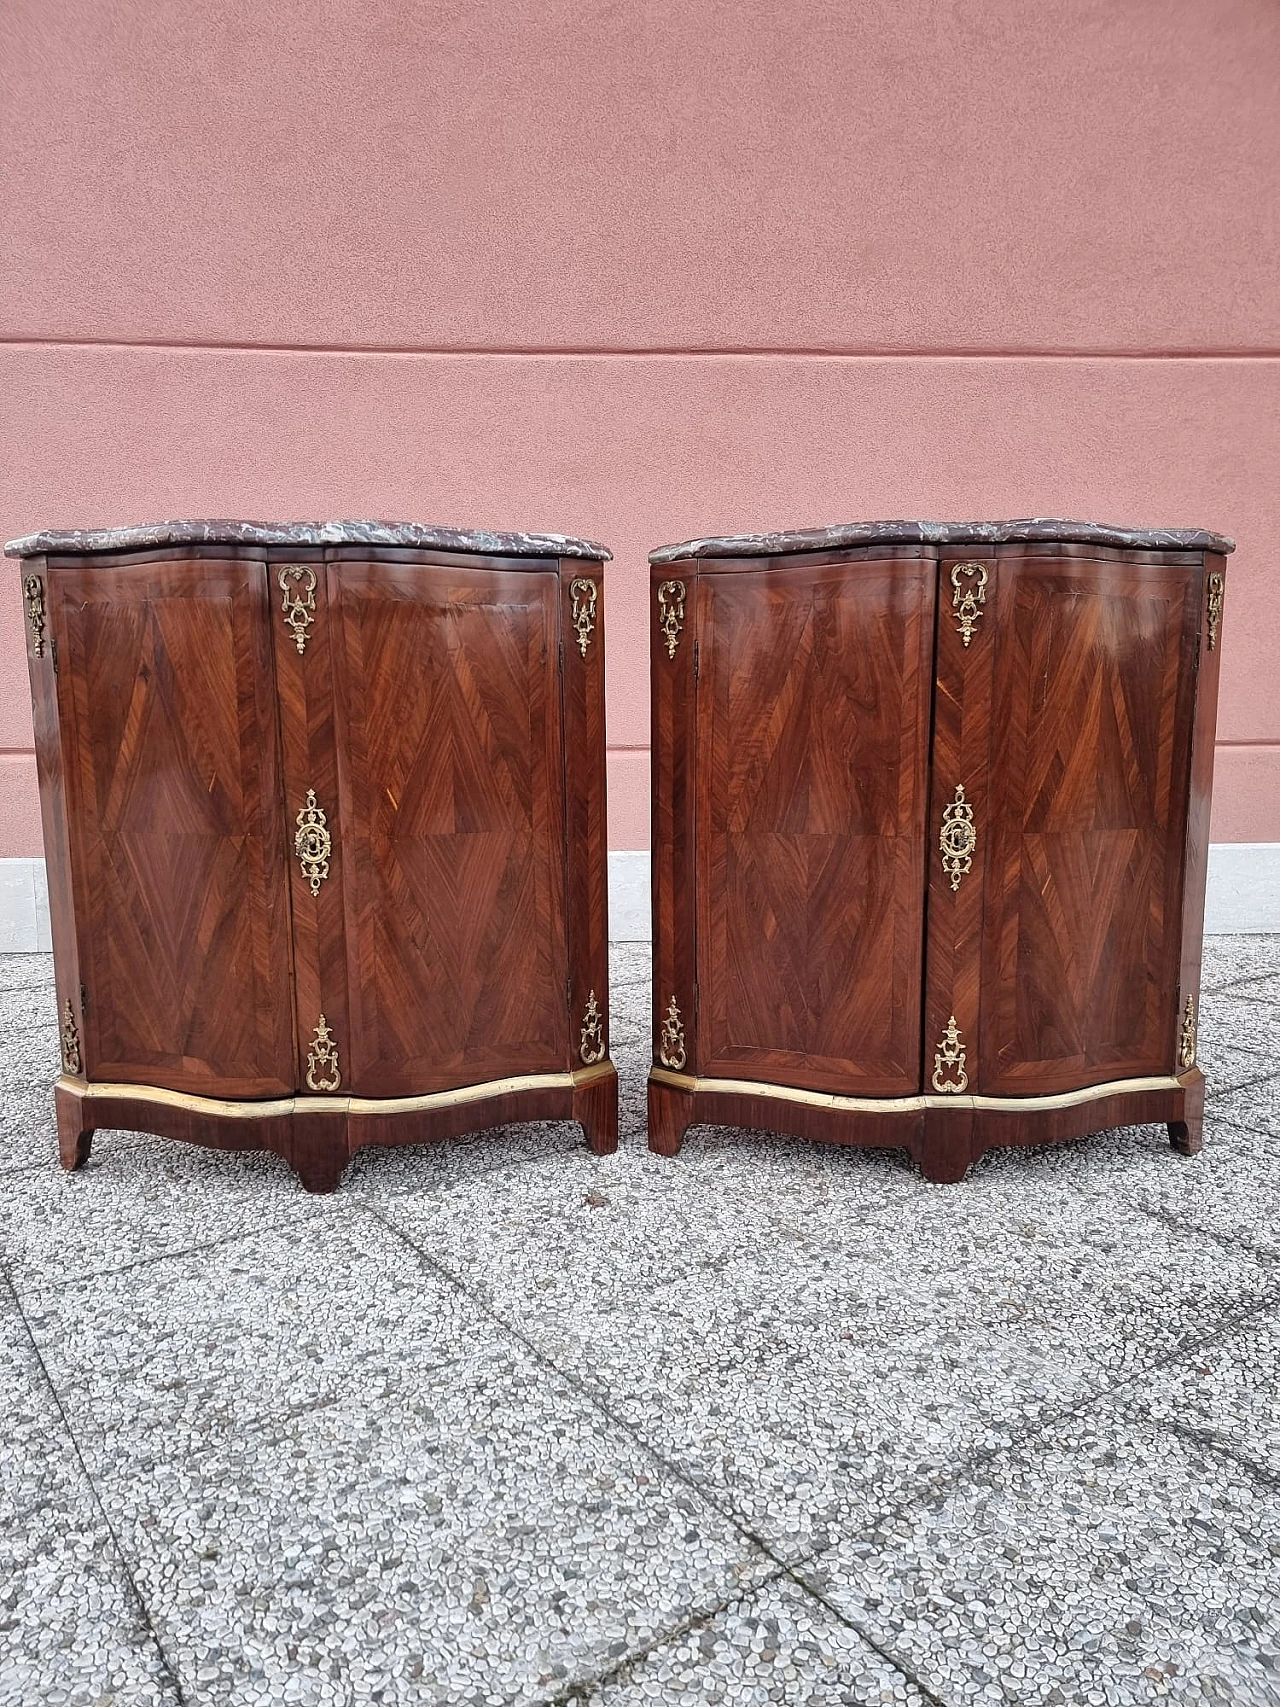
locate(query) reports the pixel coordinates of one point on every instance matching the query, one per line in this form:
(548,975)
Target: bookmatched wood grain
(1094,666)
(838,690)
(166,701)
(451,775)
(178,737)
(813,739)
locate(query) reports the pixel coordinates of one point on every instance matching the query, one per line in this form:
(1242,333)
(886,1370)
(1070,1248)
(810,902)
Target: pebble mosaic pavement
(501,1423)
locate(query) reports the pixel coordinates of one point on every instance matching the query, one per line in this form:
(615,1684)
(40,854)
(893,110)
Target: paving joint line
(1212,1441)
(241,1233)
(144,1611)
(1239,1126)
(584,1688)
(1268,1254)
(599,1401)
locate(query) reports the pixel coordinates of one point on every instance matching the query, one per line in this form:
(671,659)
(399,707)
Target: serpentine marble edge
(944,533)
(410,535)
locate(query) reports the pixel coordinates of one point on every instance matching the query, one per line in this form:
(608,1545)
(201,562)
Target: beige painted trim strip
(258,1110)
(911,1104)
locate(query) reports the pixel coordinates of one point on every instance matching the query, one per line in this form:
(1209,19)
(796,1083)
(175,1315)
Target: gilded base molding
(318,1135)
(945,1132)
(908,1104)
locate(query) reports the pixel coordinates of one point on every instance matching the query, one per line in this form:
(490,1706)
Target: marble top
(944,533)
(411,535)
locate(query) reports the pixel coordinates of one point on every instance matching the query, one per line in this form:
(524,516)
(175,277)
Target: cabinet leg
(670,1115)
(1187,1136)
(75,1135)
(947,1149)
(318,1152)
(595,1108)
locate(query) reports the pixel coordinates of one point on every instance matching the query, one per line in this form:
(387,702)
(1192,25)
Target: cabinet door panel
(1092,700)
(451,784)
(813,735)
(167,703)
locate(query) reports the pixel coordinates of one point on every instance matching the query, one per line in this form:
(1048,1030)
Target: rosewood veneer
(324,814)
(930,829)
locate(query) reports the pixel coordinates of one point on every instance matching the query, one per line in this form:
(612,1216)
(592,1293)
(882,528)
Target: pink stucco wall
(647,271)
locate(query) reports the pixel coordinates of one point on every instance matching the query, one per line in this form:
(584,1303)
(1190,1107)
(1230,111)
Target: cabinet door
(167,709)
(813,700)
(1081,815)
(451,797)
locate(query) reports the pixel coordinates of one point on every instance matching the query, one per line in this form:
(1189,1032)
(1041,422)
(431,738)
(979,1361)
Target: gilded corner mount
(71,1057)
(591,1038)
(671,1044)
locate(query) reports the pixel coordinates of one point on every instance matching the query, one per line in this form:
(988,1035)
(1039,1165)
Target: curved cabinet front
(943,809)
(312,823)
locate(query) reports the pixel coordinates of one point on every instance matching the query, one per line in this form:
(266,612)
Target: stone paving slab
(68,1615)
(1105,1560)
(503,1422)
(307,1466)
(778,1644)
(1228,1393)
(807,1357)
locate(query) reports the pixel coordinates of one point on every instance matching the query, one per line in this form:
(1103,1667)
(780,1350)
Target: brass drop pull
(671,609)
(33,593)
(313,843)
(957,838)
(322,1059)
(583,594)
(968,598)
(298,600)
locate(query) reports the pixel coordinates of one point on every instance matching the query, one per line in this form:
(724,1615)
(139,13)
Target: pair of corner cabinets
(324,817)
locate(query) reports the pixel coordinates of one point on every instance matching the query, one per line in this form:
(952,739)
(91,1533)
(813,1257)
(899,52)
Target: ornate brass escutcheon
(321,1057)
(1187,1038)
(1216,588)
(33,592)
(70,1042)
(583,594)
(671,607)
(298,600)
(313,843)
(948,1062)
(968,600)
(591,1041)
(957,838)
(671,1047)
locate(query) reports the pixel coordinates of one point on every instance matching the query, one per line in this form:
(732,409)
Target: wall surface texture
(646,271)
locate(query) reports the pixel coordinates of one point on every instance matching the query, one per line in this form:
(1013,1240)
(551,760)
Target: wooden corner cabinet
(324,816)
(930,828)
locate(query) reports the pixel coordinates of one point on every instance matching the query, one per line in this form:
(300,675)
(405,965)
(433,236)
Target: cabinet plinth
(930,833)
(325,833)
